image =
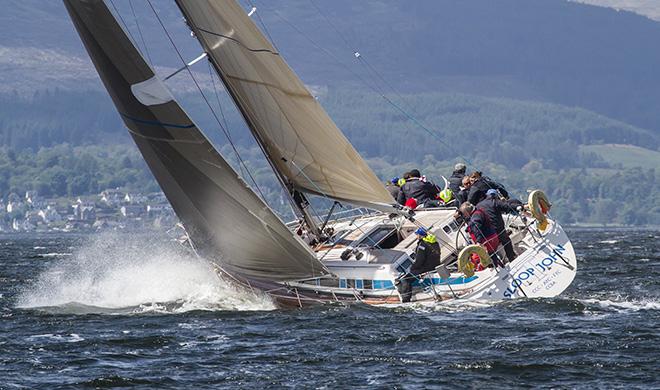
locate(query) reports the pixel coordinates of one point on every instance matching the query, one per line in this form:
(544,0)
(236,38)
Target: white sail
(298,137)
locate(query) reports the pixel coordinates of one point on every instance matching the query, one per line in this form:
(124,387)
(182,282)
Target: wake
(117,273)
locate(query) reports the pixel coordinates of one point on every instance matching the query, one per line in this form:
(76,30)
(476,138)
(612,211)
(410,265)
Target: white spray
(114,271)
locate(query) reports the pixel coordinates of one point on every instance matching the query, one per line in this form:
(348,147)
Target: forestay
(298,137)
(225,219)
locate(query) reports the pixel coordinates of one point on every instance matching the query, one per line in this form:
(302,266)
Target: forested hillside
(536,93)
(545,50)
(569,152)
(508,132)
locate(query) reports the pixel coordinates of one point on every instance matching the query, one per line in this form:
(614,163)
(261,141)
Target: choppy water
(108,311)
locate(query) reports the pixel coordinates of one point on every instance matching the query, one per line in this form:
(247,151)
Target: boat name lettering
(539,268)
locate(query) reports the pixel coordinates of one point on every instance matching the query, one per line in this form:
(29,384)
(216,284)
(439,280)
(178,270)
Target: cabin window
(451,227)
(342,283)
(359,284)
(404,266)
(384,237)
(350,283)
(368,285)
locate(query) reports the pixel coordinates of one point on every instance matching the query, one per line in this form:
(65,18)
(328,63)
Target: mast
(295,197)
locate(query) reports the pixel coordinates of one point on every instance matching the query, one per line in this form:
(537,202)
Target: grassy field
(628,156)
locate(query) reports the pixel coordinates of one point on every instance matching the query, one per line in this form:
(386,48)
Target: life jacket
(430,238)
(489,231)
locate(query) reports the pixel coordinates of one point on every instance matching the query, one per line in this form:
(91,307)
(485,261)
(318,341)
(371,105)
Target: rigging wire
(125,25)
(370,68)
(263,25)
(192,76)
(144,43)
(222,112)
(217,96)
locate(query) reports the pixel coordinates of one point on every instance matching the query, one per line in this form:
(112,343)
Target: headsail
(298,137)
(225,219)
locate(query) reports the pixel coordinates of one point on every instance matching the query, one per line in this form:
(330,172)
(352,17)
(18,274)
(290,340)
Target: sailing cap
(421,232)
(491,192)
(395,180)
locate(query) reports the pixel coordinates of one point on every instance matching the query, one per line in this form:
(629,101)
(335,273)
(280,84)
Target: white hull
(544,270)
(545,267)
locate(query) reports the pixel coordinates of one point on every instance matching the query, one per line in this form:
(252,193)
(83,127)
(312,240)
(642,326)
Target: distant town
(112,209)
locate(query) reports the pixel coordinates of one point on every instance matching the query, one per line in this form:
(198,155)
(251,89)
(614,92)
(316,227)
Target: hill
(508,132)
(545,50)
(542,93)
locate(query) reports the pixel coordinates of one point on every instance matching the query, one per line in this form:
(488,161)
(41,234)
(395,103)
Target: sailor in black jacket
(481,185)
(415,187)
(493,207)
(456,178)
(427,257)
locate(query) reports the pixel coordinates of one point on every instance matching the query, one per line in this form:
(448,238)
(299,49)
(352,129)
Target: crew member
(393,187)
(462,194)
(427,257)
(422,191)
(480,185)
(494,207)
(481,229)
(456,178)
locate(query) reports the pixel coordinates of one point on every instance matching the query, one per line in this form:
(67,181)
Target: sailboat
(354,258)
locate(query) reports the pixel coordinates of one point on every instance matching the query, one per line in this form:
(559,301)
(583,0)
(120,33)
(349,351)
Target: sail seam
(239,42)
(305,95)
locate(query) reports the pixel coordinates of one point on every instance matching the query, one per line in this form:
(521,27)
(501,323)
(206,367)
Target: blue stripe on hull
(387,284)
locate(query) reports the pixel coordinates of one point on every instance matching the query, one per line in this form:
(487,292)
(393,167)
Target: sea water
(119,310)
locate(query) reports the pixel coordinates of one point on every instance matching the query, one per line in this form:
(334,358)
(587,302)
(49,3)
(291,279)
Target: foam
(119,271)
(54,254)
(623,305)
(449,306)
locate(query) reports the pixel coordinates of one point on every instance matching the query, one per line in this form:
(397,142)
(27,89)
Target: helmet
(421,232)
(491,193)
(395,180)
(446,195)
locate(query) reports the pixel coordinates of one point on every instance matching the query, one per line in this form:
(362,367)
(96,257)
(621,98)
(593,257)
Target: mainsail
(300,140)
(224,218)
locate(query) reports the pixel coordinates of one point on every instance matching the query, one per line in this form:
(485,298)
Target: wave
(449,306)
(115,273)
(622,305)
(54,254)
(557,304)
